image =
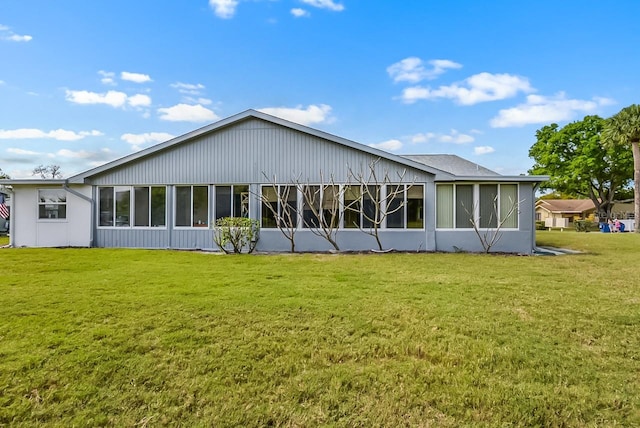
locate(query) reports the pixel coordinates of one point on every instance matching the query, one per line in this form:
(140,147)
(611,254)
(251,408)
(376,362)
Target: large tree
(579,165)
(622,130)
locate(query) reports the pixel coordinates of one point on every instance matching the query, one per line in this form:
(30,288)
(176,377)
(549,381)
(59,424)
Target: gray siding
(241,153)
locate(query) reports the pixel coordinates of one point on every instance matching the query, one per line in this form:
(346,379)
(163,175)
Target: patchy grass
(95,337)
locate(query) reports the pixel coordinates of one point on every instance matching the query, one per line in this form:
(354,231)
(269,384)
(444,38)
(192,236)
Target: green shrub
(234,234)
(585,225)
(540,225)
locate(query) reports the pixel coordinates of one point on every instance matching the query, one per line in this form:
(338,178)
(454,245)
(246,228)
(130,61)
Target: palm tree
(623,128)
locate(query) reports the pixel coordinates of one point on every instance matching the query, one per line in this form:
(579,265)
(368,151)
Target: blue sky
(85,82)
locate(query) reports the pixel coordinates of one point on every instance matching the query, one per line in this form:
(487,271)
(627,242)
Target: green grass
(93,337)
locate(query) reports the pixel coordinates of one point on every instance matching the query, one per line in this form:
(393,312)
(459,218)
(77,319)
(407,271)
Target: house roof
(80,178)
(568,206)
(443,167)
(453,164)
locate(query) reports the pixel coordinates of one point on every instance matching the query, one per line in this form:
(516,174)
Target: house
(169,195)
(561,212)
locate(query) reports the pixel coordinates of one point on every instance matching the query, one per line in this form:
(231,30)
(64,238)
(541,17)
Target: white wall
(29,231)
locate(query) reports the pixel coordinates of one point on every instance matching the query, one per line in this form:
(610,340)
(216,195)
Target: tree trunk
(635,146)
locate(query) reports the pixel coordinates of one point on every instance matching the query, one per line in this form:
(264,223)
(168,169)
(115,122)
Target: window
(352,207)
(192,206)
(232,201)
(457,206)
(52,204)
(126,206)
(415,207)
(405,206)
(150,206)
(311,206)
(279,204)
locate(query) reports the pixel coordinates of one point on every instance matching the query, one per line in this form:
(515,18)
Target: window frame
(132,214)
(58,204)
(476,197)
(192,224)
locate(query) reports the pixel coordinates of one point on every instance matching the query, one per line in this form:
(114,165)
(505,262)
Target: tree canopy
(579,165)
(3,174)
(49,171)
(623,130)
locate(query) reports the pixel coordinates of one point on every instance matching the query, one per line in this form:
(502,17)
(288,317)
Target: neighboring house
(169,195)
(623,210)
(561,212)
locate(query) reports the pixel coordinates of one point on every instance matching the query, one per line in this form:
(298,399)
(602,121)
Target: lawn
(93,337)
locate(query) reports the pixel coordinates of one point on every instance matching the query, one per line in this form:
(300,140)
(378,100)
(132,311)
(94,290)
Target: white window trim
(175,207)
(476,206)
(47,219)
(300,206)
(132,207)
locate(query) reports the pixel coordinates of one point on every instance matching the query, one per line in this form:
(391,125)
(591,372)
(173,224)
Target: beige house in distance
(561,212)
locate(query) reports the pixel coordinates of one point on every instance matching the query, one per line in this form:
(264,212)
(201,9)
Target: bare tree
(490,236)
(49,171)
(375,204)
(281,202)
(323,208)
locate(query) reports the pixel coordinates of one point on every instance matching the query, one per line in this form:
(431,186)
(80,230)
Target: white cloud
(456,138)
(541,109)
(138,141)
(299,13)
(325,4)
(188,88)
(8,35)
(57,134)
(389,145)
(422,137)
(412,69)
(200,100)
(107,77)
(478,88)
(22,152)
(305,116)
(135,77)
(112,98)
(139,100)
(224,9)
(99,156)
(453,137)
(483,150)
(187,113)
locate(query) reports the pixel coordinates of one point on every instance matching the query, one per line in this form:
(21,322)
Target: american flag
(4,210)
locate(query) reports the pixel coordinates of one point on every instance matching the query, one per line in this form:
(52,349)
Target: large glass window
(415,207)
(405,206)
(150,206)
(279,204)
(106,206)
(465,206)
(52,204)
(311,206)
(123,206)
(232,201)
(192,206)
(395,206)
(145,205)
(509,205)
(444,206)
(486,204)
(352,207)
